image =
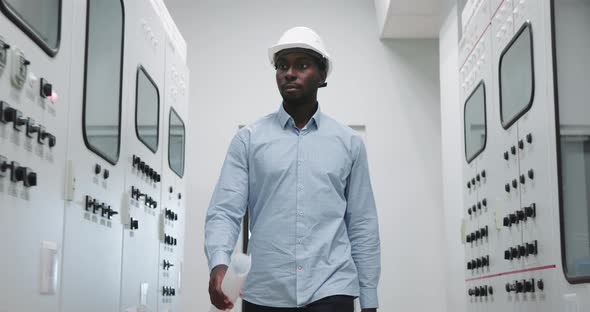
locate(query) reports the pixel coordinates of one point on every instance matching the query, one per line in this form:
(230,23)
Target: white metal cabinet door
(142,157)
(93,242)
(31,201)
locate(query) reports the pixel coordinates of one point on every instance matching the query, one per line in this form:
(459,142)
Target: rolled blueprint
(234,278)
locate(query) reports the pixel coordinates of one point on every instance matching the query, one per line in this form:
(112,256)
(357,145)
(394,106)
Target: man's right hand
(218,298)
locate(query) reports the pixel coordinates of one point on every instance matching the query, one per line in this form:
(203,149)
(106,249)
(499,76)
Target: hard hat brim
(280,47)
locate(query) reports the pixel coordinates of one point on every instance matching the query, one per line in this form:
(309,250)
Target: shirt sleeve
(363,228)
(228,205)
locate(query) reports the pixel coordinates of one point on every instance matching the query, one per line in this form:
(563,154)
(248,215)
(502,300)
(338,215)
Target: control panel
(85,174)
(515,225)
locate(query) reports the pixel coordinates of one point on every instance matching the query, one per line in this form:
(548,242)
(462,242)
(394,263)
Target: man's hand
(369,310)
(218,298)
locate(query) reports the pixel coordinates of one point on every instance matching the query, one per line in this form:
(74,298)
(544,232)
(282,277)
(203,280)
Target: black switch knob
(507,222)
(490,290)
(469,265)
(469,185)
(471,292)
(529,286)
(508,255)
(514,253)
(519,286)
(532,248)
(89,202)
(529,138)
(521,144)
(513,150)
(484,202)
(106,174)
(46,88)
(141,166)
(20,173)
(521,251)
(15,116)
(508,287)
(469,211)
(175,217)
(520,215)
(540,285)
(513,218)
(179,196)
(170,190)
(514,184)
(479,205)
(478,178)
(97,169)
(478,263)
(477,234)
(111,213)
(530,211)
(473,237)
(468,238)
(483,174)
(105,211)
(134,224)
(506,155)
(474,208)
(136,160)
(484,231)
(477,292)
(484,290)
(158,178)
(507,188)
(473,181)
(96,207)
(51,139)
(31,127)
(522,179)
(531,174)
(485,261)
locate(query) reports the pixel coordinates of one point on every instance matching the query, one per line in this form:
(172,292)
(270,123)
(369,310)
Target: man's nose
(290,74)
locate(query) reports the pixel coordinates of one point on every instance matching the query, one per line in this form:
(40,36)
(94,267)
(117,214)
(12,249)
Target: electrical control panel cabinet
(141,157)
(95,172)
(174,173)
(34,103)
(535,158)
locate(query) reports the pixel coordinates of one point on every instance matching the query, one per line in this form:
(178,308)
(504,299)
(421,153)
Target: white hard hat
(304,38)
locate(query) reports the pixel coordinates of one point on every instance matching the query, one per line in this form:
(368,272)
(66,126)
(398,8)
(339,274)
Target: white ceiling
(411,18)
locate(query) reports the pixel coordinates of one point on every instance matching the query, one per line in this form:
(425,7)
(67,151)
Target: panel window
(571,47)
(147,110)
(517,83)
(176,140)
(40,20)
(104,73)
(475,122)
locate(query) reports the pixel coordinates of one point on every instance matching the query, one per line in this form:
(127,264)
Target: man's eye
(303,66)
(282,67)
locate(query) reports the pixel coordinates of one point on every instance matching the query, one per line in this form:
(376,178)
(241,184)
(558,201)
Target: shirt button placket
(300,214)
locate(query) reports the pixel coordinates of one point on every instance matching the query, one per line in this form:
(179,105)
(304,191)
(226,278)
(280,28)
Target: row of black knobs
(477,235)
(149,201)
(473,209)
(168,291)
(10,114)
(105,210)
(170,215)
(18,173)
(478,263)
(525,286)
(146,169)
(521,179)
(477,178)
(169,240)
(520,215)
(519,251)
(529,139)
(481,291)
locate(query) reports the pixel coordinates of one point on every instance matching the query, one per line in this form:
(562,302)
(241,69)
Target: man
(304,179)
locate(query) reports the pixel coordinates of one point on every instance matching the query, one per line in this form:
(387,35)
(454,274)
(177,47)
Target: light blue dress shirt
(313,221)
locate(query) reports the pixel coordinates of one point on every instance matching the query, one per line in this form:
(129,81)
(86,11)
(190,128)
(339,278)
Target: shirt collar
(284,117)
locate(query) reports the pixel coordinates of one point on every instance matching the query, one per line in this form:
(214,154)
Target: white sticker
(49,268)
(143,294)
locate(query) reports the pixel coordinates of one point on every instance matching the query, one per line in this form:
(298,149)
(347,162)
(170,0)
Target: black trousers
(328,304)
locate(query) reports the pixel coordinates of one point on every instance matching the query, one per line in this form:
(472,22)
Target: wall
(452,158)
(391,87)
